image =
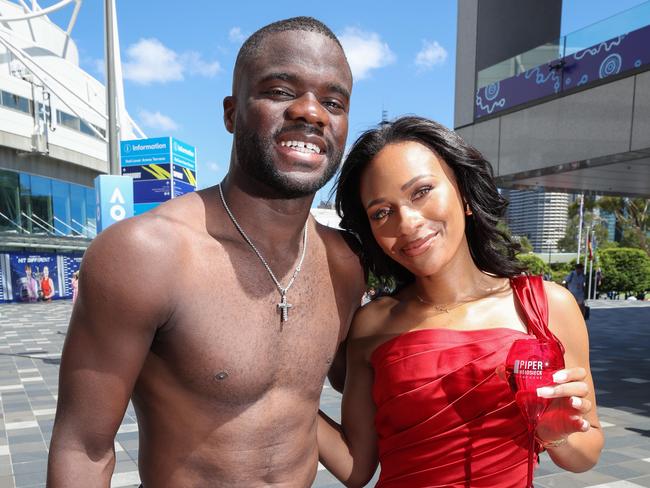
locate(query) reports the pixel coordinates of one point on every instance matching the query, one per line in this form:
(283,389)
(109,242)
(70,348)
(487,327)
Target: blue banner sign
(5,279)
(161,168)
(33,277)
(68,264)
(114,199)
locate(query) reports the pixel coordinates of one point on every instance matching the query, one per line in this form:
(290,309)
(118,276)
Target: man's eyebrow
(279,76)
(340,89)
(284,76)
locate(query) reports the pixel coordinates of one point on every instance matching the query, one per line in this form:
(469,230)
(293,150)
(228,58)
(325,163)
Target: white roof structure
(39,71)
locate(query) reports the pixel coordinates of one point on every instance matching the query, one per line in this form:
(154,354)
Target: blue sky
(178,59)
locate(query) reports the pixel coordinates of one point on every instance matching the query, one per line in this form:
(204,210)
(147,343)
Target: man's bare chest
(229,344)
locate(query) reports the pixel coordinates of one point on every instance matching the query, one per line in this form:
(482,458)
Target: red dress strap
(531,298)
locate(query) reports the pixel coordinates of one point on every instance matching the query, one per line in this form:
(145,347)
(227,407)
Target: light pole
(113,132)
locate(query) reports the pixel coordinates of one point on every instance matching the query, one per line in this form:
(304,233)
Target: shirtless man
(226,391)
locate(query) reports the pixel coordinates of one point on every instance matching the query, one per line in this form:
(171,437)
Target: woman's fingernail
(585,425)
(560,376)
(545,391)
(576,402)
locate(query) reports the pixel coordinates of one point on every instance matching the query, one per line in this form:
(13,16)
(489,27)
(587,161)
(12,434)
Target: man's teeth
(300,146)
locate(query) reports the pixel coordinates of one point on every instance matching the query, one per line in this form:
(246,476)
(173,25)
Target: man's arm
(337,371)
(122,301)
(349,260)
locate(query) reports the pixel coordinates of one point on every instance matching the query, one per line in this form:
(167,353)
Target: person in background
(29,286)
(75,285)
(47,285)
(575,283)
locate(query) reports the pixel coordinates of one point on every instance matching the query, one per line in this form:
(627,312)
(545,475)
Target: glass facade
(36,205)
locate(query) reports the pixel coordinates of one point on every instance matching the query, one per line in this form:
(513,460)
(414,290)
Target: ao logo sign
(117,201)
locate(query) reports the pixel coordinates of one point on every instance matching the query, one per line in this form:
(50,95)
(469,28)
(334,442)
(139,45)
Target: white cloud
(150,61)
(100,66)
(365,51)
(156,120)
(431,54)
(235,35)
(195,64)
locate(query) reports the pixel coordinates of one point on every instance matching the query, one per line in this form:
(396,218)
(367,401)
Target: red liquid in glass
(530,365)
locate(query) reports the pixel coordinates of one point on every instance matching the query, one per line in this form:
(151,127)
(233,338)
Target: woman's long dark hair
(492,249)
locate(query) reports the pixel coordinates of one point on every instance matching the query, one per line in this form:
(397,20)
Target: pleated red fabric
(444,418)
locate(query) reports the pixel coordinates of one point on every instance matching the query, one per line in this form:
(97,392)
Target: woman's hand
(565,414)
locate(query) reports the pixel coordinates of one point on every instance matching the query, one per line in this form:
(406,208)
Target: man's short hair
(252,45)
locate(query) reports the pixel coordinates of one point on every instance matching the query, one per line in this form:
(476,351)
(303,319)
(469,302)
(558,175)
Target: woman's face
(414,207)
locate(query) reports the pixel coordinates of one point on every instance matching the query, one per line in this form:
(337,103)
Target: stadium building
(52,146)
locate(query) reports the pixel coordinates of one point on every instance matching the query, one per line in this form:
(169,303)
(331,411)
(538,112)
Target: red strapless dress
(444,418)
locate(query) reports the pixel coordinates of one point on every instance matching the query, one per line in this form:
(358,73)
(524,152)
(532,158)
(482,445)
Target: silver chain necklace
(284,305)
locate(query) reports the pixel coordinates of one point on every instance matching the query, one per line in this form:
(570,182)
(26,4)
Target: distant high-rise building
(540,216)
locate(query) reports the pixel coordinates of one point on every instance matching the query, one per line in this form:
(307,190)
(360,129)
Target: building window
(25,202)
(9,202)
(41,198)
(61,207)
(91,211)
(78,208)
(67,120)
(16,102)
(75,123)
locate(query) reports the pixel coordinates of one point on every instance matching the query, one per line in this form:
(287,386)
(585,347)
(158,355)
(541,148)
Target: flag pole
(591,264)
(582,202)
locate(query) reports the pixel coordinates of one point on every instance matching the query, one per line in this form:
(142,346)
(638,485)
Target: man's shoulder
(338,242)
(343,251)
(150,237)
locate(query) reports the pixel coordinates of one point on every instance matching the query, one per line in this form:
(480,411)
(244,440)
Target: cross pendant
(284,307)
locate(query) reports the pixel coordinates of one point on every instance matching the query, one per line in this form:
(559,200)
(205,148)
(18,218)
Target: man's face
(289,112)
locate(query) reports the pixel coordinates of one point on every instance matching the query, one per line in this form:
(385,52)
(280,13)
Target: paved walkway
(31,338)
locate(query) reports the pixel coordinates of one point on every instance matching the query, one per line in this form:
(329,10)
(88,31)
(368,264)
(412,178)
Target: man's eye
(333,105)
(278,92)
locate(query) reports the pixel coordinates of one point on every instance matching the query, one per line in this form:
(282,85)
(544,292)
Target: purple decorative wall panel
(614,56)
(623,53)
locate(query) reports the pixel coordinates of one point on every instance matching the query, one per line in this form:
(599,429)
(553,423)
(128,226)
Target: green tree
(534,264)
(559,271)
(569,243)
(525,244)
(625,270)
(633,217)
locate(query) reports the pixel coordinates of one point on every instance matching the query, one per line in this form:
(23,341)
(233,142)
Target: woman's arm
(572,415)
(349,451)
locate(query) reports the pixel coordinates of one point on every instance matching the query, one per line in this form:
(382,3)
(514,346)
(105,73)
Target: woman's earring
(468,211)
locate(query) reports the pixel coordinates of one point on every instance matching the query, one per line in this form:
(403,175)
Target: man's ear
(229,104)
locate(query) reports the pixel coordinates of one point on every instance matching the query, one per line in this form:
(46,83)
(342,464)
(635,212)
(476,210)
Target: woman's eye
(421,192)
(380,214)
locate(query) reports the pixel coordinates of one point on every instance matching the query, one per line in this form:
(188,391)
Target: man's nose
(308,108)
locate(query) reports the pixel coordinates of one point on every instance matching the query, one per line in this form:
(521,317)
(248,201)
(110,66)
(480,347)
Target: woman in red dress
(422,395)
